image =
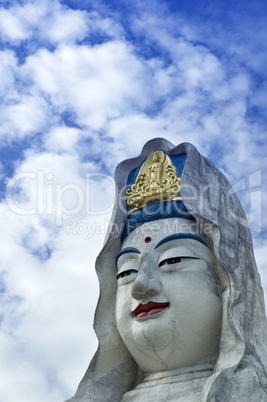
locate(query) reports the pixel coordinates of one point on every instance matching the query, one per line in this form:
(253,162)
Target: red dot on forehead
(148,239)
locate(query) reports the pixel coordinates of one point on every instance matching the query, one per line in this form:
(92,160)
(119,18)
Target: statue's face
(168,307)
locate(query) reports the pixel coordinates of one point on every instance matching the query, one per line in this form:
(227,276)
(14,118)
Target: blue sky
(84,84)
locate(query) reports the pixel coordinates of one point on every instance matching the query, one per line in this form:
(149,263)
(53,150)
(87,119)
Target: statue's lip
(149,308)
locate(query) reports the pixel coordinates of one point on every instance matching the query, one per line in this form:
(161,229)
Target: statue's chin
(151,335)
(158,345)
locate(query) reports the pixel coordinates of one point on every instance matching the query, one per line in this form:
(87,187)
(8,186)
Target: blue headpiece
(153,190)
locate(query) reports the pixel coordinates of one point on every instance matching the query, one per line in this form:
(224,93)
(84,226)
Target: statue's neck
(181,373)
(183,385)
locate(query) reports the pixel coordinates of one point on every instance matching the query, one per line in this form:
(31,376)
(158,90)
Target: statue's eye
(126,273)
(175,260)
(170,261)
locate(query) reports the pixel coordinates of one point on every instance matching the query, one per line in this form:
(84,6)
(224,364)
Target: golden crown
(156,181)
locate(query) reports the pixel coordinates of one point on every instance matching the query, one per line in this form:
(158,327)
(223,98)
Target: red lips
(149,308)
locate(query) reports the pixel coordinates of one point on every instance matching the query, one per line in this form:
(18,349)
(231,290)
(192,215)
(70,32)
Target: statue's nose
(143,285)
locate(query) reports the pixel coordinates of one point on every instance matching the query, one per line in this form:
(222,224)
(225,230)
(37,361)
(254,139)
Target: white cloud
(52,22)
(8,64)
(48,20)
(97,83)
(18,22)
(67,25)
(12,27)
(46,326)
(27,116)
(46,320)
(62,139)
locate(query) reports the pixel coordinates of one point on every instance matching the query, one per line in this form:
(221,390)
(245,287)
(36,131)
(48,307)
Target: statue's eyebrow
(127,250)
(180,236)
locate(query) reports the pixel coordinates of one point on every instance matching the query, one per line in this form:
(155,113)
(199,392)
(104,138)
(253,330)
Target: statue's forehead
(156,237)
(155,231)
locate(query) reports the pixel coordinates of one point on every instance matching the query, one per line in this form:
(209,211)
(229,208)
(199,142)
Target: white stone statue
(181,311)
